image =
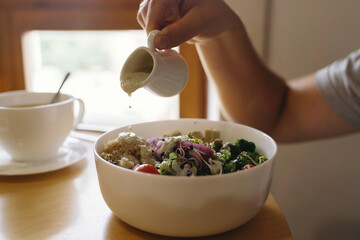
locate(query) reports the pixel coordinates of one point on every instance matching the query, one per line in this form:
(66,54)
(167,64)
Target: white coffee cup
(162,72)
(35,133)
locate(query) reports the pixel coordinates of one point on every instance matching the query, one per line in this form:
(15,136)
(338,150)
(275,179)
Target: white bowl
(182,206)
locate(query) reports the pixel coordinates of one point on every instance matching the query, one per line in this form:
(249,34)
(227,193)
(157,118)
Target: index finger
(159,12)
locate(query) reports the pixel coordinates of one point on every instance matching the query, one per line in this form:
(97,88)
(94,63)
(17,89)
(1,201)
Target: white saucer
(69,153)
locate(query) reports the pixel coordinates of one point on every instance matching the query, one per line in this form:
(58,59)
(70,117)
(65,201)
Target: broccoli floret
(230,167)
(234,165)
(241,145)
(242,161)
(245,146)
(224,156)
(253,155)
(165,168)
(253,158)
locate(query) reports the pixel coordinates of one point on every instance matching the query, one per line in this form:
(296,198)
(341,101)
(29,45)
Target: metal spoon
(56,96)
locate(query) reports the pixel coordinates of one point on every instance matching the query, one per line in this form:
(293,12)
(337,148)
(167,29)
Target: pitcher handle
(151,38)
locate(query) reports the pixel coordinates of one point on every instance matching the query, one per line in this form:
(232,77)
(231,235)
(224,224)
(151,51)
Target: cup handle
(80,113)
(151,38)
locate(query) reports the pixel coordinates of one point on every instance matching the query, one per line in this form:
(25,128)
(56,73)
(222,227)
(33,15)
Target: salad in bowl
(182,155)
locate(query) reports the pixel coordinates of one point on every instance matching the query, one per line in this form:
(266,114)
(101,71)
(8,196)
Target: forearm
(249,92)
(306,115)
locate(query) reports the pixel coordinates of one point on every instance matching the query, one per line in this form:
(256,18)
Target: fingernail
(162,42)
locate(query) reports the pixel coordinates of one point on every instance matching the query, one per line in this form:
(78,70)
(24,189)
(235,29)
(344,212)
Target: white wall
(306,34)
(317,184)
(253,13)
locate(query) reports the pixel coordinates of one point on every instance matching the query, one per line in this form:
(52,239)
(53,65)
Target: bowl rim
(69,99)
(269,161)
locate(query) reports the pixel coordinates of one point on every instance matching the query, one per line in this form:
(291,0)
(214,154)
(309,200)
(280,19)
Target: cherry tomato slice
(247,166)
(146,168)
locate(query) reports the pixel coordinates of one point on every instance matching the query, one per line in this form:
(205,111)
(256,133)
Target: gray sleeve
(339,84)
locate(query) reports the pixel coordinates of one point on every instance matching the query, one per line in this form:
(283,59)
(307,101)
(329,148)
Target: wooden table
(67,204)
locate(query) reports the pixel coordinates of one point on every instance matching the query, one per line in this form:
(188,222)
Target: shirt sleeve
(339,85)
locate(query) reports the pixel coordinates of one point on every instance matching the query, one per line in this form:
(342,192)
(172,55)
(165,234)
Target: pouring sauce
(133,81)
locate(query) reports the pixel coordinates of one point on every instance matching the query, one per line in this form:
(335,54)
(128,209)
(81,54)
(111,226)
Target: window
(95,59)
